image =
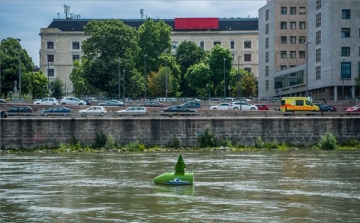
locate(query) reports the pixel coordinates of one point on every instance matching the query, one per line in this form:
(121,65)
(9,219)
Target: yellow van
(297,104)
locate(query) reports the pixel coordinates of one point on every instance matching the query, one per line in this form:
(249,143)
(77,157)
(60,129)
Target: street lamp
(307,68)
(166,80)
(224,80)
(238,73)
(19,71)
(229,88)
(145,76)
(48,71)
(124,85)
(119,78)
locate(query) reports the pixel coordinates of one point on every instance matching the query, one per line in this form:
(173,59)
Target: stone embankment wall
(35,132)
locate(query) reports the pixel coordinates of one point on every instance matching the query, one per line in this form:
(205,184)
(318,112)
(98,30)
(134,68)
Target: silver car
(93,110)
(72,101)
(46,101)
(242,105)
(135,111)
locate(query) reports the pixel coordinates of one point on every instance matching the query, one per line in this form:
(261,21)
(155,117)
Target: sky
(23,19)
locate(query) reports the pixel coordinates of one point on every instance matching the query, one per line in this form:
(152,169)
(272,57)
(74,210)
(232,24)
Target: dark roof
(225,24)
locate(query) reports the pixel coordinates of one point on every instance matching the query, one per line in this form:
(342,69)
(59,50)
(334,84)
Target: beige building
(61,43)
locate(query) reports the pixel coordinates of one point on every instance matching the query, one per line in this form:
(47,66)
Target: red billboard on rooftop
(196,23)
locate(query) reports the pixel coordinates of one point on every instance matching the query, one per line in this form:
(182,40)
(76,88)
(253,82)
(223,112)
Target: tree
(10,50)
(188,54)
(57,88)
(199,80)
(111,43)
(248,84)
(157,82)
(77,77)
(37,84)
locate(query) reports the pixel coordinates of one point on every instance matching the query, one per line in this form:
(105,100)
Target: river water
(293,186)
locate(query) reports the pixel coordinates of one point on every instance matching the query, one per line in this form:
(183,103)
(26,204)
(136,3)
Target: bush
(135,146)
(100,140)
(207,139)
(110,143)
(259,143)
(328,141)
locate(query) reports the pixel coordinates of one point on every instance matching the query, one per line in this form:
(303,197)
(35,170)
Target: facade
(309,48)
(61,42)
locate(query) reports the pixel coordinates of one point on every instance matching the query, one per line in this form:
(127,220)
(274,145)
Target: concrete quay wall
(35,132)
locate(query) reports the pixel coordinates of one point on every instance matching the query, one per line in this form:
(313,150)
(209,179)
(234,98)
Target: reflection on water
(303,186)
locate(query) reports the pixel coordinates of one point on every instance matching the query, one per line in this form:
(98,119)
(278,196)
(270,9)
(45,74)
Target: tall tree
(111,46)
(199,80)
(157,82)
(10,54)
(57,88)
(37,84)
(188,54)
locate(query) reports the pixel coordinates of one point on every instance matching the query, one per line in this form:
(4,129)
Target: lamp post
(229,88)
(224,81)
(166,80)
(48,71)
(145,76)
(307,68)
(124,85)
(19,71)
(119,78)
(238,73)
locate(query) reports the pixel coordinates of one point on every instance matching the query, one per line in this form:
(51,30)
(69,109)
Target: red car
(262,107)
(355,108)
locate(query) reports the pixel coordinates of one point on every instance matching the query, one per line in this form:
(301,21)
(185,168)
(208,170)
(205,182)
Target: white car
(93,110)
(72,101)
(135,111)
(242,105)
(221,106)
(46,101)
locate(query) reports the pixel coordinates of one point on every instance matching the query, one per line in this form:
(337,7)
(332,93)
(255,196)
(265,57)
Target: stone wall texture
(35,132)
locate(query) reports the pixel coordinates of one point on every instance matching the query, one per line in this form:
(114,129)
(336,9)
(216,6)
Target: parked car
(112,102)
(355,108)
(191,104)
(71,101)
(2,101)
(58,111)
(20,111)
(87,101)
(135,111)
(93,110)
(242,105)
(262,107)
(178,109)
(328,108)
(46,101)
(155,104)
(221,106)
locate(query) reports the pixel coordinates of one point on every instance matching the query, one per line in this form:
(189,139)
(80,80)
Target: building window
(292,54)
(292,10)
(75,57)
(267,28)
(217,43)
(50,45)
(345,51)
(345,70)
(267,85)
(283,25)
(174,44)
(302,11)
(51,72)
(318,73)
(247,69)
(292,25)
(232,44)
(283,10)
(318,20)
(267,15)
(301,39)
(302,25)
(267,57)
(302,54)
(247,57)
(202,45)
(266,42)
(283,67)
(318,37)
(247,44)
(292,39)
(75,45)
(283,39)
(283,54)
(345,14)
(50,58)
(266,71)
(318,55)
(318,4)
(345,32)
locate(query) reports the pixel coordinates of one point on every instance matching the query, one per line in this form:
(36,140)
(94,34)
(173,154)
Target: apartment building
(309,47)
(61,41)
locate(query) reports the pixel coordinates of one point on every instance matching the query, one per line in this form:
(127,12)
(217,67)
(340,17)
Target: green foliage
(156,82)
(79,81)
(259,143)
(110,142)
(198,78)
(272,145)
(351,143)
(100,140)
(135,146)
(207,139)
(57,88)
(37,84)
(225,142)
(328,141)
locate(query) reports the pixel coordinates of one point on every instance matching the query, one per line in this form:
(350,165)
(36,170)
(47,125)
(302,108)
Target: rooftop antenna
(58,15)
(66,11)
(142,13)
